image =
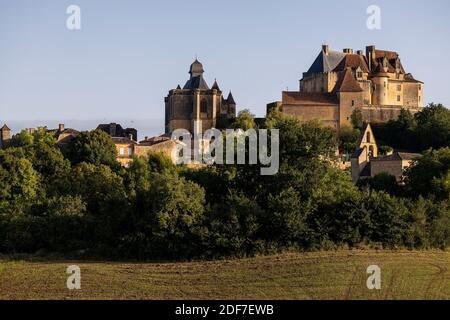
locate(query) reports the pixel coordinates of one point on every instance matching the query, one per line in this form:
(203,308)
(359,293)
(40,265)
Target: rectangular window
(399,87)
(353,103)
(398,98)
(121,151)
(130,151)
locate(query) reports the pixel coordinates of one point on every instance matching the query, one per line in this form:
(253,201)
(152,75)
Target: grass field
(320,275)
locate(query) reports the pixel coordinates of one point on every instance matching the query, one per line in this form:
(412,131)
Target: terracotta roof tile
(347,83)
(352,61)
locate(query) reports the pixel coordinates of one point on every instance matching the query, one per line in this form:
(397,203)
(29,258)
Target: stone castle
(197,107)
(337,83)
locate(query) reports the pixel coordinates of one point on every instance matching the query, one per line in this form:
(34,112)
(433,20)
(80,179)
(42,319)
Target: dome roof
(196,69)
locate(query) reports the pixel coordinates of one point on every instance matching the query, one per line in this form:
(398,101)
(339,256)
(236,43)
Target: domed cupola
(196,69)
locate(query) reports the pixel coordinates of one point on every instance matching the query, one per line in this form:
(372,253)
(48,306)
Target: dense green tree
(433,127)
(381,182)
(286,219)
(388,219)
(137,177)
(234,227)
(95,147)
(166,222)
(160,162)
(348,137)
(104,194)
(245,120)
(430,174)
(338,214)
(18,179)
(357,120)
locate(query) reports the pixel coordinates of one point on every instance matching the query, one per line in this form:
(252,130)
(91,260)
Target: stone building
(64,136)
(337,83)
(116,130)
(127,148)
(5,136)
(197,107)
(366,163)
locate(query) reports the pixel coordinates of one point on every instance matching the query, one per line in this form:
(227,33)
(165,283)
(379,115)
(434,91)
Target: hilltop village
(337,84)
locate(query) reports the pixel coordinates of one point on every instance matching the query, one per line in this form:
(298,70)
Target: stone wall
(328,115)
(348,102)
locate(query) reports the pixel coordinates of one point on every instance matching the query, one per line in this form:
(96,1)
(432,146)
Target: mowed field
(318,275)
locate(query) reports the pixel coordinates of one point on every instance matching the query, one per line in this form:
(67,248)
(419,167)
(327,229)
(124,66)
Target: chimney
(112,129)
(146,138)
(348,51)
(359,52)
(130,136)
(370,54)
(325,49)
(61,127)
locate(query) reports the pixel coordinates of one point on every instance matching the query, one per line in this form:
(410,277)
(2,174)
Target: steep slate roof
(352,61)
(5,128)
(215,85)
(357,153)
(397,156)
(347,83)
(196,83)
(326,62)
(309,98)
(230,99)
(410,78)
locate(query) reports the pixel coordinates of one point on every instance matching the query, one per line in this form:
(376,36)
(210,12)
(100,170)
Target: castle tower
(380,88)
(196,107)
(5,136)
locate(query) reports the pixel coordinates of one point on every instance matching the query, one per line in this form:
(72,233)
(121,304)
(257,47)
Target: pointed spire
(230,99)
(215,85)
(178,87)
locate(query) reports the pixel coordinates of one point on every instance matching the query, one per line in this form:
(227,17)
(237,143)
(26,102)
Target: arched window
(371,151)
(368,137)
(204,106)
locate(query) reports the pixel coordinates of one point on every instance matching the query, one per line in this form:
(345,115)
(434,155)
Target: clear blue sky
(130,53)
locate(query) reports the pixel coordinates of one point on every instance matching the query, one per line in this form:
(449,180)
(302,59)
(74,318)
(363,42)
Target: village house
(366,163)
